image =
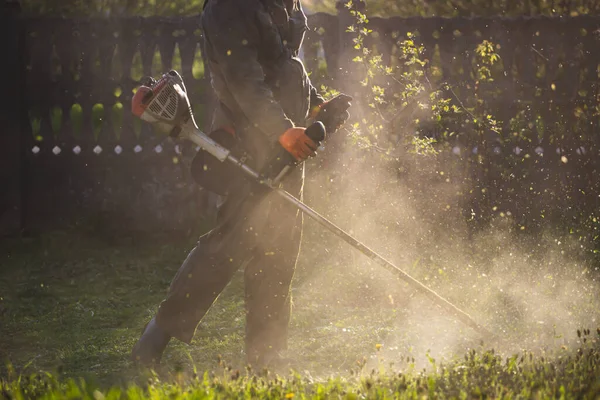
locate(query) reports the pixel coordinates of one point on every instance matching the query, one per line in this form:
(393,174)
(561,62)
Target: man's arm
(300,19)
(233,38)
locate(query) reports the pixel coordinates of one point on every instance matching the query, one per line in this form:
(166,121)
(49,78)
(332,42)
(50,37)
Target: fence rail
(87,70)
(78,136)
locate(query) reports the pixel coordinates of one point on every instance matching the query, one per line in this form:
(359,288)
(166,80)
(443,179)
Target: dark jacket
(252,48)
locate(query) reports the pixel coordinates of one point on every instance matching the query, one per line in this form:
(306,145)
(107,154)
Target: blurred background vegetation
(405,8)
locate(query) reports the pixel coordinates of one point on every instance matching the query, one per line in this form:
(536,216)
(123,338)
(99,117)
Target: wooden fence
(73,144)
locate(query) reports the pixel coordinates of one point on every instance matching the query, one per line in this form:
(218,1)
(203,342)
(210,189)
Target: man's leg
(268,279)
(268,304)
(201,278)
(198,283)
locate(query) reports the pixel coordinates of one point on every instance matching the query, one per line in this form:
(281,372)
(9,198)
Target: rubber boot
(149,348)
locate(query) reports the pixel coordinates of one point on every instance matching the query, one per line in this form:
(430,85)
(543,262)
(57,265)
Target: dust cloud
(532,291)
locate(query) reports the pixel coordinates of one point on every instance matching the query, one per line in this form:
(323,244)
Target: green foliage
(403,97)
(481,374)
(409,110)
(488,57)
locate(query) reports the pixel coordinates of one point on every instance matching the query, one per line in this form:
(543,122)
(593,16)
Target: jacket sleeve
(233,38)
(315,98)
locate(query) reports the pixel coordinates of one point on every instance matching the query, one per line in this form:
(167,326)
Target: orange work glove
(295,141)
(333,113)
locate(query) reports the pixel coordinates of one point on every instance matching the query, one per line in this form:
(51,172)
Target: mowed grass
(73,304)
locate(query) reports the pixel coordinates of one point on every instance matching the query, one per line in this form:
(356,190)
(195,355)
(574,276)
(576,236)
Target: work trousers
(260,231)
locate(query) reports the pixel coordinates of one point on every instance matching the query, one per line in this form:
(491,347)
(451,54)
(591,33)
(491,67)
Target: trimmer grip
(316,132)
(283,161)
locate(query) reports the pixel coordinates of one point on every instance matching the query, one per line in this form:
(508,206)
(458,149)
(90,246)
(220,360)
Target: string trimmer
(165,104)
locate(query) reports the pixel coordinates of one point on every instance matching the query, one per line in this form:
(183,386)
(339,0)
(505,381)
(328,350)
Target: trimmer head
(163,103)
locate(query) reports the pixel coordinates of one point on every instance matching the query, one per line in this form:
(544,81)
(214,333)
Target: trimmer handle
(283,161)
(316,132)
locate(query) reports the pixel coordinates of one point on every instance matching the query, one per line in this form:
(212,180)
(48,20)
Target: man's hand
(333,113)
(298,144)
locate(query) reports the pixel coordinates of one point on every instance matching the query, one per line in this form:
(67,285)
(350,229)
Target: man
(265,98)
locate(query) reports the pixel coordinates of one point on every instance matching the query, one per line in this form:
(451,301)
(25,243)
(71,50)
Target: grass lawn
(74,304)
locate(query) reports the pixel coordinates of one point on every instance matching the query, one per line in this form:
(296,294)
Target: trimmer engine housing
(163,103)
